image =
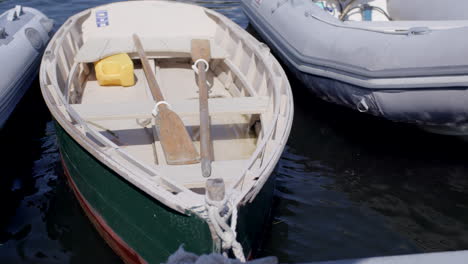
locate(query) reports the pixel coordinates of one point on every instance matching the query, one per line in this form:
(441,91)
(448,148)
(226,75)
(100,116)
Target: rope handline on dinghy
(220,210)
(219,213)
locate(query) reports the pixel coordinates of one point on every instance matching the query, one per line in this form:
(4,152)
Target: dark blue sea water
(349,185)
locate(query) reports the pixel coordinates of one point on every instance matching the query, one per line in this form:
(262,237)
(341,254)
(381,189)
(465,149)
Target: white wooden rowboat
(109,141)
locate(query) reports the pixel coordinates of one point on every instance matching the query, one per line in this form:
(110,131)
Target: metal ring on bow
(195,65)
(155,109)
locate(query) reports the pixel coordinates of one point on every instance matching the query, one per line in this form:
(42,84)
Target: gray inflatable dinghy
(404,60)
(24,33)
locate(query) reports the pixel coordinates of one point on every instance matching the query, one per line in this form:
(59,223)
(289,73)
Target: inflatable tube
(24,33)
(407,71)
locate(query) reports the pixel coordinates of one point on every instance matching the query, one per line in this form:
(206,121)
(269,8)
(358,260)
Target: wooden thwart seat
(217,106)
(98,48)
(190,175)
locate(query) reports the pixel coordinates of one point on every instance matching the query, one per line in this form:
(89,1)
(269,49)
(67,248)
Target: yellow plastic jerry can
(115,70)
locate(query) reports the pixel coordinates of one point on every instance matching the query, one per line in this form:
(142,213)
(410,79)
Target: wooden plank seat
(98,48)
(217,106)
(190,175)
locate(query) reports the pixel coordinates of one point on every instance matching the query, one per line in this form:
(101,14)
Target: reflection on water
(349,185)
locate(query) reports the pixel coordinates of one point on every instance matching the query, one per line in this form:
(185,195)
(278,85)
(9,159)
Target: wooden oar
(175,140)
(201,51)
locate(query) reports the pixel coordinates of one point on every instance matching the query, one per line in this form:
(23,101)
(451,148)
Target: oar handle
(153,84)
(205,133)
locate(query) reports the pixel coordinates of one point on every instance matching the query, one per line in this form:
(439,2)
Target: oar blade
(175,140)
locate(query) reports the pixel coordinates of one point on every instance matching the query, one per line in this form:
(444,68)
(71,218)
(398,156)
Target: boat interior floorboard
(179,81)
(109,110)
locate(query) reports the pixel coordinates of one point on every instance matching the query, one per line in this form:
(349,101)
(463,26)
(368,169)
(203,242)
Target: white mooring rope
(219,213)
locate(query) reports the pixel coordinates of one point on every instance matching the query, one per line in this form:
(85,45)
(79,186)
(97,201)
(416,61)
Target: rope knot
(228,240)
(219,213)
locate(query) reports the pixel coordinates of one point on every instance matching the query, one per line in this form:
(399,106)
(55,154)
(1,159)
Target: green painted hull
(254,218)
(144,225)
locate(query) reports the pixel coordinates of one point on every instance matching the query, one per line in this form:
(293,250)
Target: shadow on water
(41,222)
